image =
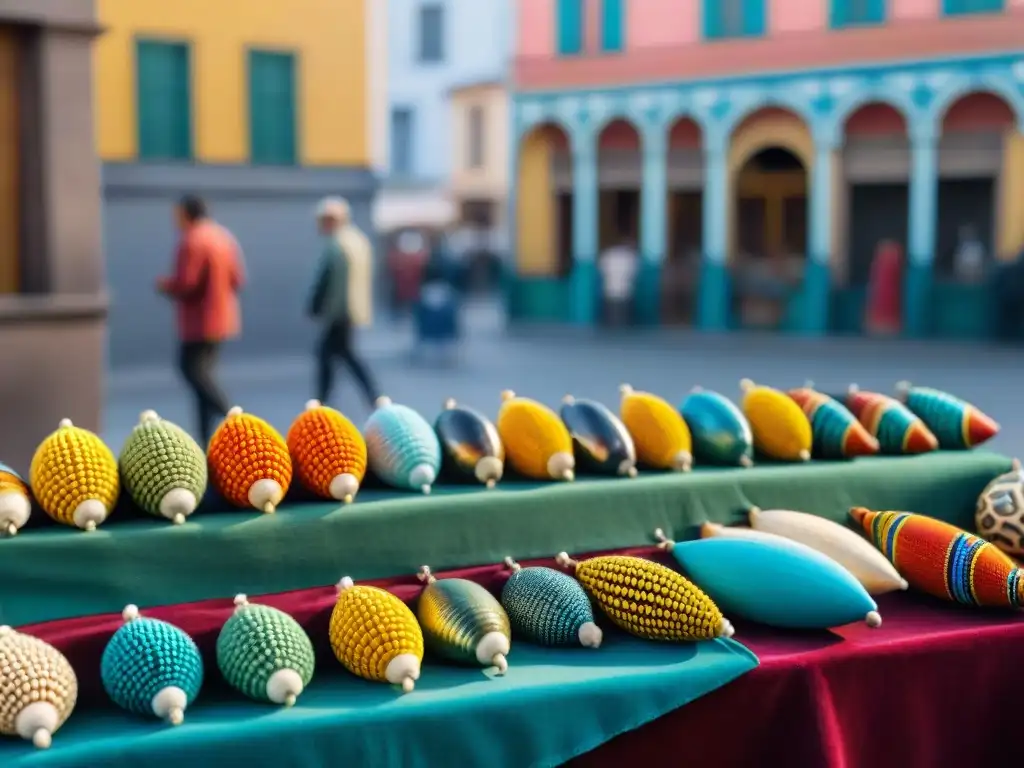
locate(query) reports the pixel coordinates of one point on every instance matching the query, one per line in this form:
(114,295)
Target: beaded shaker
(74,477)
(15,504)
(249,462)
(328,452)
(375,635)
(402,447)
(463,622)
(265,653)
(660,604)
(600,441)
(150,667)
(537,444)
(548,607)
(38,688)
(163,469)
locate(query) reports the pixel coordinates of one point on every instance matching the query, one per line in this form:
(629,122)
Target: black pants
(336,345)
(196,361)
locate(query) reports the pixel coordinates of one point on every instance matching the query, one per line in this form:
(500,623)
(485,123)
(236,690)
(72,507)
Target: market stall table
(62,573)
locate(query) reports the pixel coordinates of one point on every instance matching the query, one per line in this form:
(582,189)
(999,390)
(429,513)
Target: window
(569,26)
(733,18)
(612,21)
(272,134)
(402,119)
(963,7)
(431,34)
(475,134)
(851,13)
(164,99)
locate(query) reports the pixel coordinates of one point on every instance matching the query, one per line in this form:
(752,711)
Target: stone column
(924,199)
(714,300)
(584,285)
(817,271)
(54,330)
(653,226)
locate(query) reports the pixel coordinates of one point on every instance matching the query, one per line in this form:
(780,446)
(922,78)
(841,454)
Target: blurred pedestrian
(618,266)
(208,274)
(884,306)
(341,298)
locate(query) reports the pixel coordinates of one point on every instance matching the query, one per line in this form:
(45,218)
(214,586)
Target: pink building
(758,151)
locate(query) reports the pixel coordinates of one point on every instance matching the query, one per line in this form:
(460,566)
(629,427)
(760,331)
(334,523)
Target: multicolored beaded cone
(897,430)
(601,443)
(837,433)
(660,434)
(957,424)
(647,599)
(74,477)
(249,462)
(375,635)
(163,469)
(943,560)
(780,427)
(38,688)
(471,447)
(402,447)
(537,444)
(548,607)
(265,654)
(328,452)
(721,433)
(152,668)
(462,622)
(15,503)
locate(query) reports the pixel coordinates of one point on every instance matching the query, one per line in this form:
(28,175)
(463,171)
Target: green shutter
(960,7)
(272,108)
(714,24)
(753,18)
(613,15)
(570,27)
(164,100)
(840,16)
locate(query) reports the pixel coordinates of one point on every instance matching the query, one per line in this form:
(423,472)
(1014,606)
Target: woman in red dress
(883,311)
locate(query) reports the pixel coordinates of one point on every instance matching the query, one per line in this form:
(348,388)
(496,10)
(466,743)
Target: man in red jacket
(208,275)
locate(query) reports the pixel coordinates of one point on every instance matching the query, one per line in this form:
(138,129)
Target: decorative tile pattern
(921,92)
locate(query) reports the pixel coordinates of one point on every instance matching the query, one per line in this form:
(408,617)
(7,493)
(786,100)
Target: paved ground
(547,363)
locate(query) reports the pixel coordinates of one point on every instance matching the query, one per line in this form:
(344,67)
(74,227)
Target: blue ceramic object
(150,667)
(721,433)
(782,584)
(548,607)
(401,447)
(471,447)
(600,441)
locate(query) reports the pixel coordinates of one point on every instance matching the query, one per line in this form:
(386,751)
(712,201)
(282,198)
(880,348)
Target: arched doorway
(968,216)
(769,161)
(685,222)
(543,251)
(619,178)
(873,202)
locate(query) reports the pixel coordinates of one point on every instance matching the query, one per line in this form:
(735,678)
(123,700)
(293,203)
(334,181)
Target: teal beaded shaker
(548,607)
(150,667)
(264,653)
(163,469)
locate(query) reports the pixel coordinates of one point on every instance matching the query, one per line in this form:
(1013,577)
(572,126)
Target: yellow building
(261,107)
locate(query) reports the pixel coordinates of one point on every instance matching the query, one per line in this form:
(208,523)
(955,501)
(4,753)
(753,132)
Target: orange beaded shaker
(249,462)
(328,452)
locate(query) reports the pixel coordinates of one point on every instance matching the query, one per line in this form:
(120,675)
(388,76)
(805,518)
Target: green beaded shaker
(265,653)
(163,469)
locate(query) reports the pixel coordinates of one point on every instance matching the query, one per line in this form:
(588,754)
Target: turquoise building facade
(823,99)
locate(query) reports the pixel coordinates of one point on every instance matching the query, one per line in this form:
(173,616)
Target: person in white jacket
(342,297)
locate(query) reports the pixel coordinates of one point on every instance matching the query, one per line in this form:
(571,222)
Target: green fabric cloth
(54,573)
(551,706)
